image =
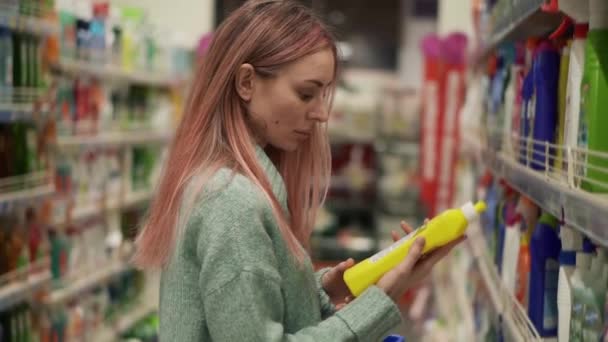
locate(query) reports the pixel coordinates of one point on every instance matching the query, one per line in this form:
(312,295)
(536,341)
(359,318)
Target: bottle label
(581,156)
(550,296)
(378,256)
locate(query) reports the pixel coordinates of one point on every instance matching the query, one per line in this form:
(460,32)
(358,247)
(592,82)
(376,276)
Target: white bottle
(571,243)
(510,255)
(577,282)
(573,99)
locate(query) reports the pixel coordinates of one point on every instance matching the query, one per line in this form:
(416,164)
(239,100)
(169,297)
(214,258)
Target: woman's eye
(306,97)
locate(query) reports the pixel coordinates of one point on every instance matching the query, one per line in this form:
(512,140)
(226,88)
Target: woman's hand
(414,268)
(334,285)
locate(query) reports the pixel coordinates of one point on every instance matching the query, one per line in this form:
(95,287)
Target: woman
(248,168)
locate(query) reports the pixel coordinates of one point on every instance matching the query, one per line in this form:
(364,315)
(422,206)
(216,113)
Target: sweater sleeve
(241,286)
(250,308)
(327,307)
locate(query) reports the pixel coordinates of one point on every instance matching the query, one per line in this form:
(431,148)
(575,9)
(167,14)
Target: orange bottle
(523,270)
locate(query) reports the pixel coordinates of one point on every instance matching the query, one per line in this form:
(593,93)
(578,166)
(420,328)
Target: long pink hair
(214,132)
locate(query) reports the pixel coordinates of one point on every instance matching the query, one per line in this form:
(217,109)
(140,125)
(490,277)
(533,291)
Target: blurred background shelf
(155,78)
(19,290)
(115,138)
(28,24)
(85,281)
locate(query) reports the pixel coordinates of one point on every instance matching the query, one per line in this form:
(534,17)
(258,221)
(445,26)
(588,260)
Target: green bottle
(594,99)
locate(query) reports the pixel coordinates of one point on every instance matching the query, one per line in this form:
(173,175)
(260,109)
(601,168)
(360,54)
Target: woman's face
(284,108)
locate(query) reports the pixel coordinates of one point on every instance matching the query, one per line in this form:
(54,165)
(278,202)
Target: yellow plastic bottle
(441,230)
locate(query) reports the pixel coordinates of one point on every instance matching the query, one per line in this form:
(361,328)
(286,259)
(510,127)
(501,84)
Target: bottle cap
(588,246)
(549,220)
(567,258)
(471,211)
(581,30)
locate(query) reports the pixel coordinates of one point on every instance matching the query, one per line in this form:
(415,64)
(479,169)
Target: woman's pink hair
(215,133)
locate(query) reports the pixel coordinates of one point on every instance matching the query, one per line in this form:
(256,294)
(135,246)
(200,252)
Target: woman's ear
(245,78)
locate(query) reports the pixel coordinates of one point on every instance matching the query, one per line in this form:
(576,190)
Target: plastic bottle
(561,108)
(594,98)
(544,273)
(444,228)
(527,112)
(573,98)
(571,244)
(544,121)
(583,261)
(511,248)
(517,80)
(594,298)
(523,270)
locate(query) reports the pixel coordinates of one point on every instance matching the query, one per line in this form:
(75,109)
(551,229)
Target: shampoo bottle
(441,230)
(544,270)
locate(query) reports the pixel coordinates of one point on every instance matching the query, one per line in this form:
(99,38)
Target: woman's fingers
(406,227)
(406,266)
(432,258)
(395,236)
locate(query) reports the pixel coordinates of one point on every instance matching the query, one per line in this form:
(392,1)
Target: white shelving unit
(579,209)
(116,73)
(20,290)
(524,19)
(85,281)
(35,25)
(115,138)
(515,319)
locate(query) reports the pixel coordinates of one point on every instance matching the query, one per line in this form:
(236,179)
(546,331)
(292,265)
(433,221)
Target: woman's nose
(320,113)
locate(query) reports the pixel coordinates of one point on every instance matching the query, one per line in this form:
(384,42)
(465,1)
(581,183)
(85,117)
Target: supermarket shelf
(526,19)
(582,210)
(115,138)
(86,282)
(109,333)
(515,319)
(137,198)
(113,72)
(17,291)
(82,212)
(30,24)
(127,321)
(26,194)
(16,112)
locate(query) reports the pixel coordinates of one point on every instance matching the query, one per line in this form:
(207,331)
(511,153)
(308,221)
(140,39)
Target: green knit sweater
(232,278)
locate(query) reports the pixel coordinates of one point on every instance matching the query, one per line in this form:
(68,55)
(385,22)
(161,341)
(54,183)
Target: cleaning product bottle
(544,271)
(544,121)
(517,80)
(572,243)
(523,269)
(511,246)
(583,261)
(573,99)
(444,228)
(594,98)
(561,108)
(594,299)
(527,112)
